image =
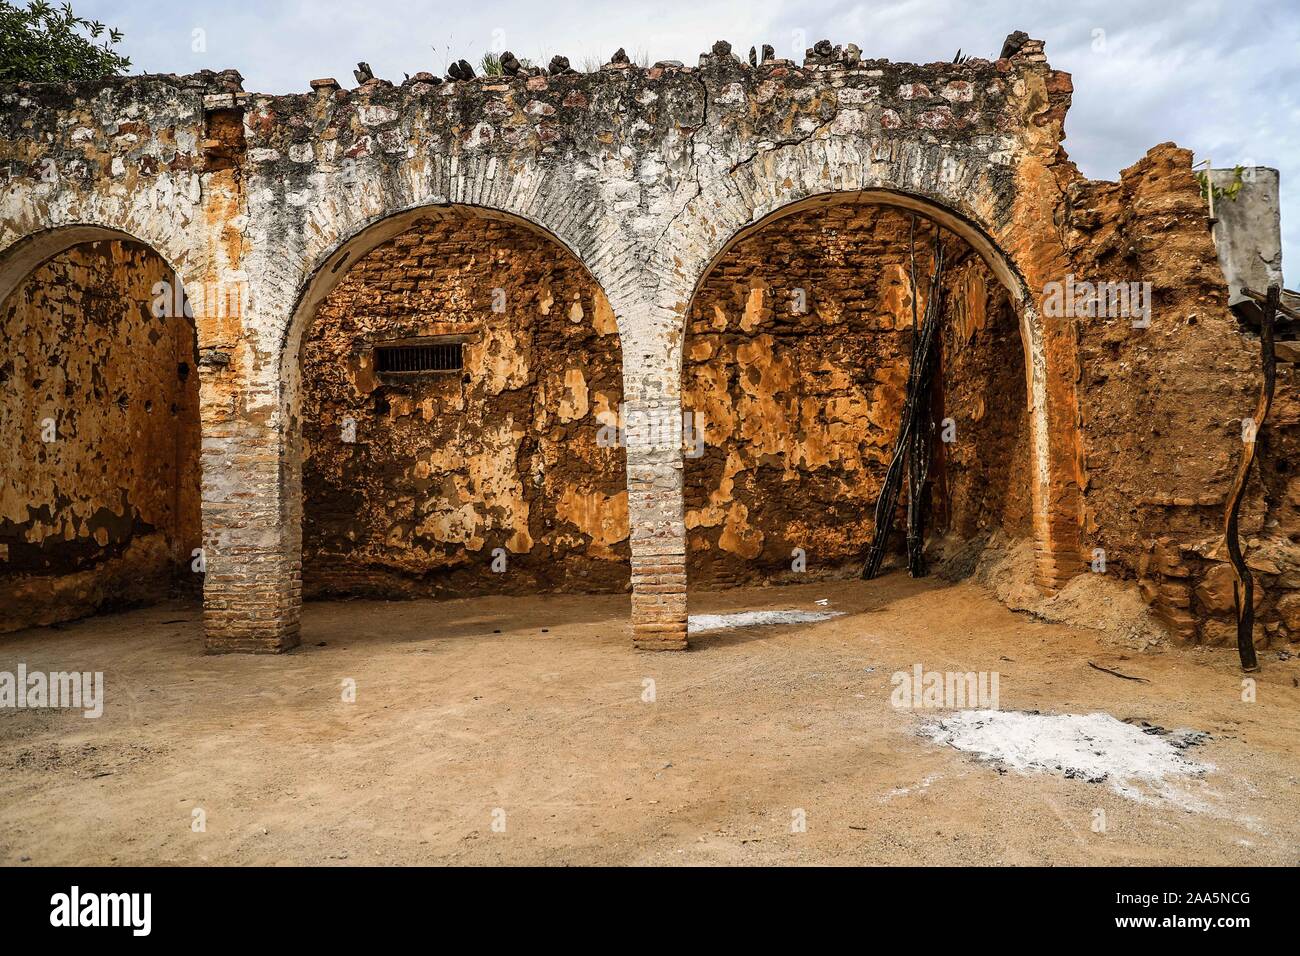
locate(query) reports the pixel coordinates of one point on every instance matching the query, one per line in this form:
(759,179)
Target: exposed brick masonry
(446,468)
(647,176)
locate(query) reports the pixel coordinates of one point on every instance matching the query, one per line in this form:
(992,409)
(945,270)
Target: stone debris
(423,76)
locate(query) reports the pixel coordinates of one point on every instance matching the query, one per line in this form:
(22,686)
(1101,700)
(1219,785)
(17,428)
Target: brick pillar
(657,524)
(252,538)
(252,508)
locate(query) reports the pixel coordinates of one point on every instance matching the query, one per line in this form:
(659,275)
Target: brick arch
(333,263)
(964,187)
(306,241)
(343,213)
(1055,495)
(40,219)
(24,255)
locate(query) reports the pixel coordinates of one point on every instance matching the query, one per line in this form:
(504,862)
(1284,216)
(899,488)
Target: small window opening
(415,359)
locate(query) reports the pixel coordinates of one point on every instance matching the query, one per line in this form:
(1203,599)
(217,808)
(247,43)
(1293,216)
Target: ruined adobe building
(581,257)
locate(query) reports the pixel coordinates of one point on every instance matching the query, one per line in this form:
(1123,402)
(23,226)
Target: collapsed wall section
(1164,410)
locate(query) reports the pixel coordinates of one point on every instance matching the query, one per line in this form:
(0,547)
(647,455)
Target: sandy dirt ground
(517,730)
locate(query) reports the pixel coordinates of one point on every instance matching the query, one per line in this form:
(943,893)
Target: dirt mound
(1097,601)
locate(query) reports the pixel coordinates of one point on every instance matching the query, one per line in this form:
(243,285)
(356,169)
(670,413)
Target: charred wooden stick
(919,462)
(915,479)
(1243,585)
(921,445)
(1286,310)
(923,344)
(1107,670)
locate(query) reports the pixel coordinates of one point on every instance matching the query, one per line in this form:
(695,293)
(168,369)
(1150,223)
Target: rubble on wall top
(822,56)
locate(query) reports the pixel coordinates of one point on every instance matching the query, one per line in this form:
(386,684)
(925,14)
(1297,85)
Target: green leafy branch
(43,43)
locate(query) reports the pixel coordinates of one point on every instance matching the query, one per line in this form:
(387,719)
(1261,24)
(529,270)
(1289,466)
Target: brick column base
(659,602)
(1053,570)
(1056,561)
(275,638)
(252,586)
(241,616)
(658,535)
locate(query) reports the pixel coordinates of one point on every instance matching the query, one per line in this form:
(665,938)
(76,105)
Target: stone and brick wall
(99,496)
(795,371)
(444,469)
(650,178)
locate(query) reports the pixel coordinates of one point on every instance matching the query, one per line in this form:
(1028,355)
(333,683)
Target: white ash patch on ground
(697,623)
(920,787)
(1138,761)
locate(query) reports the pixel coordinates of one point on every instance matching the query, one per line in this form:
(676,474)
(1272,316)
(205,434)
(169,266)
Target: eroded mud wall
(982,465)
(1277,558)
(795,371)
(1162,411)
(446,468)
(99,500)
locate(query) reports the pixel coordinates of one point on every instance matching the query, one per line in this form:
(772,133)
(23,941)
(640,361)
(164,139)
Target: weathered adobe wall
(448,467)
(645,175)
(1162,408)
(1277,563)
(982,476)
(106,514)
(799,410)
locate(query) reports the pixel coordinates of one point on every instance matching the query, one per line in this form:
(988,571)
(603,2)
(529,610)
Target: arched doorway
(454,381)
(795,365)
(99,415)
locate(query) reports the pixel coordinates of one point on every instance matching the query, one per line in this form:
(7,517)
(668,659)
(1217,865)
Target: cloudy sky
(1220,77)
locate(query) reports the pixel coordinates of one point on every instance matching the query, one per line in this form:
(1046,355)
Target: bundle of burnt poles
(915,446)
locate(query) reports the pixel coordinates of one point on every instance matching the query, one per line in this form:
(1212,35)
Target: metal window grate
(431,357)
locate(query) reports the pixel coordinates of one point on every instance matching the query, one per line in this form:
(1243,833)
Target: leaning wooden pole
(1243,587)
(918,454)
(915,470)
(917,382)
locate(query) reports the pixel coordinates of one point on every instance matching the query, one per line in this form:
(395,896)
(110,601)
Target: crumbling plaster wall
(494,479)
(796,365)
(645,175)
(99,499)
(1162,410)
(982,468)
